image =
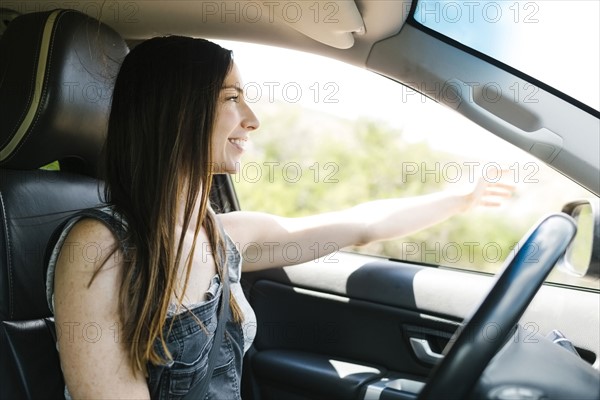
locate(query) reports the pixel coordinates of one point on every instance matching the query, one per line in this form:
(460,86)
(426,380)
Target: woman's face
(235,120)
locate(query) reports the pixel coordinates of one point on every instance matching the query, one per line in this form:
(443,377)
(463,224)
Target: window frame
(511,70)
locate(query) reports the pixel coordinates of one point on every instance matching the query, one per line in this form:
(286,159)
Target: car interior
(359,327)
(52,48)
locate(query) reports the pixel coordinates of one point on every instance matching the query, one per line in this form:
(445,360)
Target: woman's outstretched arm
(268,241)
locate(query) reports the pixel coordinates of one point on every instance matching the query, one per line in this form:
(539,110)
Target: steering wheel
(487,330)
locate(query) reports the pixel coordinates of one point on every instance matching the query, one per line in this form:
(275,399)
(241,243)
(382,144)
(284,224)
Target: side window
(333,135)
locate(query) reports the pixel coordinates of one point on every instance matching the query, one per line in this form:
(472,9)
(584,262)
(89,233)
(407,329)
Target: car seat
(57,70)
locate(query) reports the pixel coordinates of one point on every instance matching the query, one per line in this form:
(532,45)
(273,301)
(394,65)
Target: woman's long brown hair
(158,152)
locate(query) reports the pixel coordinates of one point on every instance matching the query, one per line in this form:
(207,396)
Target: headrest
(57,72)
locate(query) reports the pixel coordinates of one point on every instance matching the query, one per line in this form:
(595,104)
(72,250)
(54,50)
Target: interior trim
(12,145)
(336,29)
(544,86)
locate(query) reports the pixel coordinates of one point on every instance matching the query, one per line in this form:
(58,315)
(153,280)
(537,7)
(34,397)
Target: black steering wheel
(493,322)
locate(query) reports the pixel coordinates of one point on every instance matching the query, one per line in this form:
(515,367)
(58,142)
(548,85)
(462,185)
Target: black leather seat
(57,70)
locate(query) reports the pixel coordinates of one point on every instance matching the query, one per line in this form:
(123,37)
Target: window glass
(333,135)
(524,35)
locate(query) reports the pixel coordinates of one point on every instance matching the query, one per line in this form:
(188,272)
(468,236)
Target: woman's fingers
(496,193)
(502,185)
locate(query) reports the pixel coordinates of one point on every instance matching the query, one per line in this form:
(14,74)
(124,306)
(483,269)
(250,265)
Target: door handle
(423,351)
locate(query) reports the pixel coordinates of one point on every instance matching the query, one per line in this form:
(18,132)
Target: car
(359,100)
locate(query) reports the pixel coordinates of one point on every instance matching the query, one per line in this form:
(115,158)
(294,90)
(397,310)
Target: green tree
(306,162)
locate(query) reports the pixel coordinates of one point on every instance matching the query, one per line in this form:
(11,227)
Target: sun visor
(333,23)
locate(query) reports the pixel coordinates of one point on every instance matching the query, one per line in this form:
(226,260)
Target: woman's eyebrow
(236,87)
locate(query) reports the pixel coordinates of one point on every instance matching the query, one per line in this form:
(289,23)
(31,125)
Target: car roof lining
(382,19)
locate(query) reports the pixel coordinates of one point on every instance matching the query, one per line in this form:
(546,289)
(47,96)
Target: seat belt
(199,391)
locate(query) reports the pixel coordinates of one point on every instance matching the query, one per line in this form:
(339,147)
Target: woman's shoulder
(83,246)
(91,228)
(88,232)
(93,234)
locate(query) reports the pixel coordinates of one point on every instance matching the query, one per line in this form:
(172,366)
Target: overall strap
(199,391)
(109,219)
(116,225)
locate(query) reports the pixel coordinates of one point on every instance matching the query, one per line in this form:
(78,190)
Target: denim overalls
(188,343)
(189,346)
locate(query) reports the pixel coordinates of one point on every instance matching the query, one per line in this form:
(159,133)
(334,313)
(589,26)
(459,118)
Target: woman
(135,319)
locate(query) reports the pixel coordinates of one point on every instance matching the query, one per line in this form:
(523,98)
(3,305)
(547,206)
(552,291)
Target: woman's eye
(233,98)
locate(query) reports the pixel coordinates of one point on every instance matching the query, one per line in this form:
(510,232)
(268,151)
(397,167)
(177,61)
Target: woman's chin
(230,168)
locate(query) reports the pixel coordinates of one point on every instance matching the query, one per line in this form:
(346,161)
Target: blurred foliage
(53,166)
(303,162)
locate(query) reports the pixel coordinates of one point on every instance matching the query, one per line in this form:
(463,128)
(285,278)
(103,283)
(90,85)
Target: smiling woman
(170,115)
(235,120)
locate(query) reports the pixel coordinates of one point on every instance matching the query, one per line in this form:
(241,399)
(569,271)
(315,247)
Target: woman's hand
(488,194)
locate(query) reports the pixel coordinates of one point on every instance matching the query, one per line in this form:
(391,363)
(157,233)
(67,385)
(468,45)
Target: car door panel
(316,321)
(340,338)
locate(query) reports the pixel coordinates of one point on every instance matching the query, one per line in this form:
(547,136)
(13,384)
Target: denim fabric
(188,342)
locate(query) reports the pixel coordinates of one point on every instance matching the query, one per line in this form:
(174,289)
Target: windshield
(556,42)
